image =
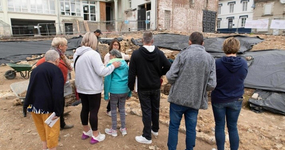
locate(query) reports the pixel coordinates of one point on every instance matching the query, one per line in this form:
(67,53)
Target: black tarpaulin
(267,71)
(215,45)
(16,51)
(269,101)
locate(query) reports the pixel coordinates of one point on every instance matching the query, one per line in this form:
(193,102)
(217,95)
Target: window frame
(70,7)
(219,9)
(244,5)
(88,15)
(243,21)
(219,23)
(232,6)
(32,6)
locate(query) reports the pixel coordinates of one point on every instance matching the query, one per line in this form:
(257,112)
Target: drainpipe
(58,16)
(116,15)
(155,15)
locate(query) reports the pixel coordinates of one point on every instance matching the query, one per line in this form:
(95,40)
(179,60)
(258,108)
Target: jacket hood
(232,63)
(150,56)
(81,50)
(123,63)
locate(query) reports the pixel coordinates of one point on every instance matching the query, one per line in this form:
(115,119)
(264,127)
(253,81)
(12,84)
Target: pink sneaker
(99,138)
(86,135)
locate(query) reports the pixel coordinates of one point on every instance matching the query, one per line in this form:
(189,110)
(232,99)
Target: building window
(219,23)
(89,10)
(267,9)
(70,7)
(243,20)
(231,8)
(244,6)
(32,6)
(219,9)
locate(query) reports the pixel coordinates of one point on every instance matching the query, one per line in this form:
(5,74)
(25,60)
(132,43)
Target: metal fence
(75,27)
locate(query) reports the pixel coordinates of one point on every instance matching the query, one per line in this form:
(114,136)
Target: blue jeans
(190,114)
(229,111)
(150,101)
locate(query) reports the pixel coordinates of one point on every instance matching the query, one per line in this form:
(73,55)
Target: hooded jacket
(191,75)
(231,72)
(117,81)
(148,63)
(89,70)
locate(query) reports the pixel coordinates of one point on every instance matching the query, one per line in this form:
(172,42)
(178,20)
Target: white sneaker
(123,131)
(143,140)
(111,132)
(154,133)
(109,113)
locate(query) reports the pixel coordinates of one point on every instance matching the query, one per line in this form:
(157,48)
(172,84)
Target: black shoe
(67,127)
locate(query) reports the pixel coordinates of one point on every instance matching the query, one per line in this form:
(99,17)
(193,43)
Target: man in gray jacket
(191,75)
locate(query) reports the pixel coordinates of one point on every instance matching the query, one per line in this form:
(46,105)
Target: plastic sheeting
(269,101)
(267,72)
(75,42)
(16,51)
(212,45)
(215,45)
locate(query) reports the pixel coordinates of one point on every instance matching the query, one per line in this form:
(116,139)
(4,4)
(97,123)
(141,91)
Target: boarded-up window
(267,9)
(167,15)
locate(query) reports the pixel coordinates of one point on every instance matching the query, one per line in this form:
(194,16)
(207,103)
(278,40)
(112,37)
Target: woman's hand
(55,117)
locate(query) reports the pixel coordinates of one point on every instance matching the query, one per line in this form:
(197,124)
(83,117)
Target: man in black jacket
(148,64)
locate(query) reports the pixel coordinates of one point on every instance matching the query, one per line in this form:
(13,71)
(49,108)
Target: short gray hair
(116,53)
(147,37)
(51,55)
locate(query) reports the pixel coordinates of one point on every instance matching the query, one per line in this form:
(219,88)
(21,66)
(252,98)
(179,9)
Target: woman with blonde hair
(89,70)
(59,44)
(231,71)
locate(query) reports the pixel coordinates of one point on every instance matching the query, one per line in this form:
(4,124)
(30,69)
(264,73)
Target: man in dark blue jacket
(148,64)
(44,96)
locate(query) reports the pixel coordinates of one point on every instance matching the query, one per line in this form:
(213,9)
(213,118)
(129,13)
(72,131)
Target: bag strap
(76,61)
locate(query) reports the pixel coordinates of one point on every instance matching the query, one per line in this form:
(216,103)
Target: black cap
(98,31)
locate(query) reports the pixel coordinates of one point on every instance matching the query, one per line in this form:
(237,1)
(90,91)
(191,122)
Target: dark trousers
(62,122)
(150,101)
(90,106)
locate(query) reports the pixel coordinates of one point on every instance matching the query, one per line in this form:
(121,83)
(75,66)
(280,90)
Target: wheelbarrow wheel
(10,74)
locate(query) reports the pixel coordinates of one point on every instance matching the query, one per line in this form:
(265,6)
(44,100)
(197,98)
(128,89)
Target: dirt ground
(258,131)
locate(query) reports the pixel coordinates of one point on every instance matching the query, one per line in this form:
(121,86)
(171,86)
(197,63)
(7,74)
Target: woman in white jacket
(89,73)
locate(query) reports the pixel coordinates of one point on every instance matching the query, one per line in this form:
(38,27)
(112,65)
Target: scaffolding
(5,29)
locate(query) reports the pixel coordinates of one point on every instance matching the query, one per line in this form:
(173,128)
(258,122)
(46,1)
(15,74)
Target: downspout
(58,16)
(155,15)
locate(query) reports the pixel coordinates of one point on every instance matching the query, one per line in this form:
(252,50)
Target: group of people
(191,75)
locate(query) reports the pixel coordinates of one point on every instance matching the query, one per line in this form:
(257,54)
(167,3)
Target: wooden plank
(86,26)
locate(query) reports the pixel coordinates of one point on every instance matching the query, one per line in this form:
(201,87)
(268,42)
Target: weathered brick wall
(185,17)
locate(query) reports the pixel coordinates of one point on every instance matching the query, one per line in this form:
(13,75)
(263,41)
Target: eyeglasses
(115,44)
